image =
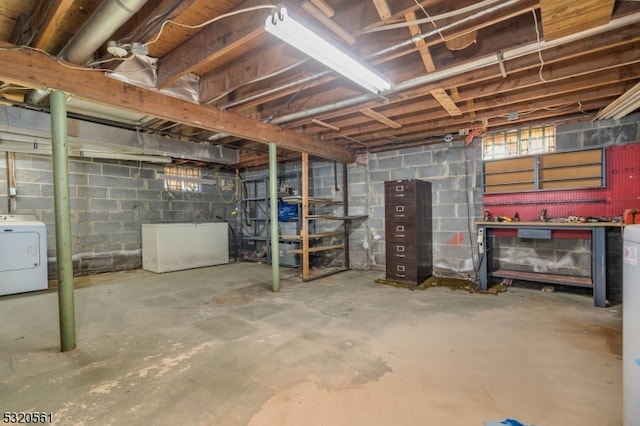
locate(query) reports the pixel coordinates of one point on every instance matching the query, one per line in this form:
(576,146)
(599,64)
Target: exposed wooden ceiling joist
(327,22)
(46,73)
(246,79)
(381,118)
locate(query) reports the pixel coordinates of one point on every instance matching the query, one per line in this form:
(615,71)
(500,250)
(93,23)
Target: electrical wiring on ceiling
(210,21)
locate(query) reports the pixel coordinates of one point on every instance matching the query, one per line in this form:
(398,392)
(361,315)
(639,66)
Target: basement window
(182,179)
(519,142)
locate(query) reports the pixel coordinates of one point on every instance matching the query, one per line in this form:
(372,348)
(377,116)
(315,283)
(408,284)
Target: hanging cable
(535,20)
(234,196)
(469,214)
(210,21)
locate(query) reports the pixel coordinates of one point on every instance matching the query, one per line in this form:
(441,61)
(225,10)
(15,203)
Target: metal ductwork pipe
(109,16)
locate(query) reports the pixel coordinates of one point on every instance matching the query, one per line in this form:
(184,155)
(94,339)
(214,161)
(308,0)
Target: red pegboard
(622,192)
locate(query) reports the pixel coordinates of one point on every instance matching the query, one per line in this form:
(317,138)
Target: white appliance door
(19,250)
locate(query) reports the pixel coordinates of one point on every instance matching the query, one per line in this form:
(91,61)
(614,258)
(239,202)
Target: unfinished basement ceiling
(456,66)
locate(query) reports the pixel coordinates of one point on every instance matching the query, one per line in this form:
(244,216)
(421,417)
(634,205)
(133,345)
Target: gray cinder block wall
(455,172)
(110,200)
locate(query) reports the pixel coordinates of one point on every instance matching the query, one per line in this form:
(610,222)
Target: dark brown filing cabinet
(408,231)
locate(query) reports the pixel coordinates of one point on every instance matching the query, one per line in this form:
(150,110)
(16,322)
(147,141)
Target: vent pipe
(109,16)
(101,25)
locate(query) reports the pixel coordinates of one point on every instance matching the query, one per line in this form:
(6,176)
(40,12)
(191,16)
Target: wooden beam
(34,69)
(304,229)
(383,8)
(235,75)
(327,125)
(381,118)
(445,100)
(204,50)
(401,8)
(59,10)
(439,94)
(324,7)
(328,22)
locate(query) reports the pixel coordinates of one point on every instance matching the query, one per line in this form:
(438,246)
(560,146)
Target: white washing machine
(23,254)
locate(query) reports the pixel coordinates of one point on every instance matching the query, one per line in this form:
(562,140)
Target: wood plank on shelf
(314,236)
(509,165)
(509,177)
(544,277)
(318,249)
(327,234)
(573,172)
(331,217)
(572,184)
(297,199)
(516,187)
(571,158)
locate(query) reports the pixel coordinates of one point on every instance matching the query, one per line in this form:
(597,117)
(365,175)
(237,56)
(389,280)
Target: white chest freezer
(175,246)
(23,254)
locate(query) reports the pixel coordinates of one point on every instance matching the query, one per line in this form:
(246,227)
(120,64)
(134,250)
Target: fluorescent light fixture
(283,26)
(126,157)
(624,105)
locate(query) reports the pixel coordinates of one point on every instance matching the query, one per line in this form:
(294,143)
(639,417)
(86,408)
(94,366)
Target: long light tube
(287,29)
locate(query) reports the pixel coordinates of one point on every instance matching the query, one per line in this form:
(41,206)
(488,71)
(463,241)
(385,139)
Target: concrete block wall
(110,200)
(558,256)
(595,134)
(453,170)
(455,173)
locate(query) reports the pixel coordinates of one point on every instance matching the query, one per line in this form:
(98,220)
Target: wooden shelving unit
(311,243)
(571,170)
(562,170)
(510,175)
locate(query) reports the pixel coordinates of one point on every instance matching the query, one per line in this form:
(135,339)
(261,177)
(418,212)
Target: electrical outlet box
(226,184)
(481,240)
(13,192)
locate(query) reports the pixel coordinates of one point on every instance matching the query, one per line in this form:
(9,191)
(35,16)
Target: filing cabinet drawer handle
(399,235)
(401,255)
(401,275)
(399,215)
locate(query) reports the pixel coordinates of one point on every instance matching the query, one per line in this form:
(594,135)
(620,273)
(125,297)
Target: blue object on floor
(507,422)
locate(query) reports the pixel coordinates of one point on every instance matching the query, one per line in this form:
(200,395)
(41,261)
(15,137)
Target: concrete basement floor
(214,346)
